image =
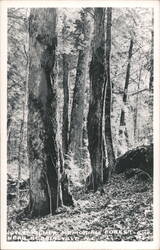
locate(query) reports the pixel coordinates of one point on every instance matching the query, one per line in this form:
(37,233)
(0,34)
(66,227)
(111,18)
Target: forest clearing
(80,124)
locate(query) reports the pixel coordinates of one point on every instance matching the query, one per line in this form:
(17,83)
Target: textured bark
(76,124)
(136,129)
(22,134)
(19,158)
(152,56)
(9,132)
(105,161)
(122,119)
(9,125)
(77,112)
(95,114)
(43,128)
(108,97)
(123,129)
(65,127)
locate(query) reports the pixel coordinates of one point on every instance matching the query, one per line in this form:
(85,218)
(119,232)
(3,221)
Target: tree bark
(95,114)
(65,126)
(152,56)
(122,119)
(77,112)
(21,133)
(136,129)
(43,127)
(108,98)
(123,129)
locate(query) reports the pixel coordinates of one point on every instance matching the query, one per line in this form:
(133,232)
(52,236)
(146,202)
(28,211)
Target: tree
(77,112)
(136,109)
(16,85)
(108,97)
(152,56)
(47,177)
(95,114)
(65,125)
(123,129)
(65,128)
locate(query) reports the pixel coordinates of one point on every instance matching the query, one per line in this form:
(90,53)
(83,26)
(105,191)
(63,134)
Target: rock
(140,157)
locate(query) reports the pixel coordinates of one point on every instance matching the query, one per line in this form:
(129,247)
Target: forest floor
(124,212)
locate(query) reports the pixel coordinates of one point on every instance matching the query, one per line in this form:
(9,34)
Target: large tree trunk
(108,97)
(95,114)
(43,134)
(65,127)
(77,112)
(123,133)
(65,123)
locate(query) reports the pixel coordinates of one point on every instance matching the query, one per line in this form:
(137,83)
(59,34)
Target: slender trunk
(43,127)
(19,159)
(108,98)
(95,114)
(9,122)
(76,124)
(66,104)
(136,139)
(152,56)
(9,144)
(123,129)
(22,129)
(105,161)
(77,112)
(9,132)
(151,80)
(122,119)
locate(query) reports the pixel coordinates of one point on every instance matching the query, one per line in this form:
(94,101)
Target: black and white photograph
(80,137)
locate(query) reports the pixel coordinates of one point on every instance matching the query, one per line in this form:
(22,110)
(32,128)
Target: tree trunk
(77,112)
(108,97)
(123,129)
(152,56)
(22,128)
(95,114)
(65,129)
(9,125)
(136,128)
(9,144)
(43,127)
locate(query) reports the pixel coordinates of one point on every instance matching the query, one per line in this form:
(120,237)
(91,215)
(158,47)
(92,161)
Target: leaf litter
(123,213)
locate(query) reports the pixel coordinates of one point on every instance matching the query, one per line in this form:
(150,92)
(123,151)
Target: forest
(80,124)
